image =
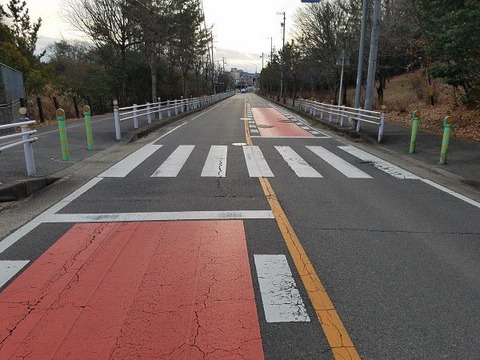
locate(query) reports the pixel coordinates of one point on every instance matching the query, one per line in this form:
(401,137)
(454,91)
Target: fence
(158,109)
(26,140)
(342,115)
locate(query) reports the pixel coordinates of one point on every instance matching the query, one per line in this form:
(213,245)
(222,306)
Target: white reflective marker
(174,163)
(216,163)
(297,163)
(280,297)
(380,164)
(256,164)
(338,163)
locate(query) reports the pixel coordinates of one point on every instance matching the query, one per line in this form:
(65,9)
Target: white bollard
(116,118)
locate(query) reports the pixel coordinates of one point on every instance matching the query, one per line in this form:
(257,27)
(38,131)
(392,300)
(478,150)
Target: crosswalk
(215,163)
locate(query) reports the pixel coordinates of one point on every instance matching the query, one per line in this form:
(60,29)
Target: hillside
(409,92)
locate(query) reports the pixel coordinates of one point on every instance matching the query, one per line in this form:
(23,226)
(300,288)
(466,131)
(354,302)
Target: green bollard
(63,134)
(447,124)
(413,138)
(88,126)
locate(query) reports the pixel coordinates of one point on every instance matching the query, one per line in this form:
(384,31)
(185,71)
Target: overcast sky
(242,28)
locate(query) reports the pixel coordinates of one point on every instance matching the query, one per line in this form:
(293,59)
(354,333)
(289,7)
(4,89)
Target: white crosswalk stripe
(338,163)
(256,164)
(380,164)
(297,163)
(216,163)
(172,166)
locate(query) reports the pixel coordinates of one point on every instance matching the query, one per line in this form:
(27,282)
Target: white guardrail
(343,114)
(26,140)
(169,107)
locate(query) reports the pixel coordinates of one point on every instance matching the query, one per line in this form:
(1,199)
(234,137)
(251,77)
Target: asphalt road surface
(242,233)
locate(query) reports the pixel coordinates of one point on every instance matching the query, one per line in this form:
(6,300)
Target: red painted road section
(150,290)
(276,124)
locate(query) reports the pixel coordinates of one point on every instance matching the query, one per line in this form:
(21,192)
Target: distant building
(242,78)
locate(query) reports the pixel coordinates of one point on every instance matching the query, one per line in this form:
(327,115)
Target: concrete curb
(22,188)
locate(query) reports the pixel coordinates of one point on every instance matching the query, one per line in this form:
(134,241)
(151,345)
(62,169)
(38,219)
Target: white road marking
(125,166)
(338,163)
(380,164)
(216,163)
(160,216)
(297,163)
(451,192)
(292,137)
(9,268)
(25,229)
(174,163)
(281,299)
(256,164)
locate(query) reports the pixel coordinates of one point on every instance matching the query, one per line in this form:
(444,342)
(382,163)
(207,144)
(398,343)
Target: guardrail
(26,141)
(343,114)
(157,109)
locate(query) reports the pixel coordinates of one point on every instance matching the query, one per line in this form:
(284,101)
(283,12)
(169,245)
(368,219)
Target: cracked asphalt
(398,258)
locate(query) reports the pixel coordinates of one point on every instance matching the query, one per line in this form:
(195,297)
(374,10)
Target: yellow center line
(337,336)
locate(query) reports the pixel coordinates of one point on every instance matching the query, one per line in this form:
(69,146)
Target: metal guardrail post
(88,126)
(169,113)
(135,116)
(63,134)
(27,146)
(159,108)
(176,108)
(116,118)
(358,122)
(381,126)
(447,124)
(149,114)
(413,137)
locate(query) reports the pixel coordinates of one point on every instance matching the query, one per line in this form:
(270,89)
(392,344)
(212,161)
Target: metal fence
(343,115)
(24,138)
(159,109)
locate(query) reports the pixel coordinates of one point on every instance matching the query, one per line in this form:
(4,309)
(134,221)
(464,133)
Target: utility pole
(223,59)
(372,61)
(262,59)
(361,51)
(283,47)
(271,48)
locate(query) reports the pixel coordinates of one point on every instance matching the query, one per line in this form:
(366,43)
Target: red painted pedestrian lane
(147,290)
(271,123)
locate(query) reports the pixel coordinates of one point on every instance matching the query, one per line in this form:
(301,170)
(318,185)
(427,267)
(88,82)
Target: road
(241,233)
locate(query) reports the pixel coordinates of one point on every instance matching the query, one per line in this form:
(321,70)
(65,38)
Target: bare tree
(106,22)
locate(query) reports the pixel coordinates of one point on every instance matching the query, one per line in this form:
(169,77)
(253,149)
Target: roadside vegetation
(153,48)
(429,59)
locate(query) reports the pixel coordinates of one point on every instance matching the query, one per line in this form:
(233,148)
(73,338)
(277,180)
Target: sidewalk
(14,182)
(463,159)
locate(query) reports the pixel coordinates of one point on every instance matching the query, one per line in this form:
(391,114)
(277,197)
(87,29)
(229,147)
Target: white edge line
(25,229)
(9,268)
(451,192)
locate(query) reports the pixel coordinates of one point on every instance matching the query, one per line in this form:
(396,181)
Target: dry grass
(406,93)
